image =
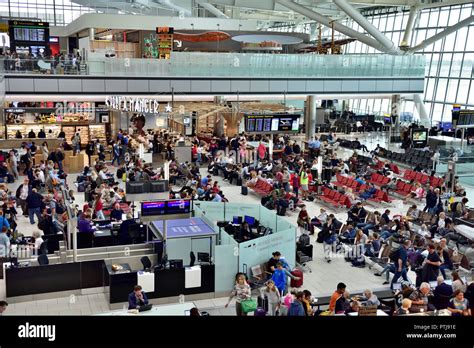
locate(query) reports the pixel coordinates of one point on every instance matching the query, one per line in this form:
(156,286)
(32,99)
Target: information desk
(168,283)
(54,278)
(184,228)
(179,309)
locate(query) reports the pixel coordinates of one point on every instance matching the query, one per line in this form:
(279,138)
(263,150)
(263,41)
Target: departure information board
(465,118)
(272,123)
(28,31)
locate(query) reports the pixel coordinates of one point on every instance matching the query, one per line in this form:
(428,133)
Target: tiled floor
(321,281)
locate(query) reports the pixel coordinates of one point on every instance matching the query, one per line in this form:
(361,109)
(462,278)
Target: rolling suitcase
(215,171)
(244,190)
(297,283)
(239,181)
(262,303)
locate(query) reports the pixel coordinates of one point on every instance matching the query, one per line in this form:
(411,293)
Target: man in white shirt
(24,191)
(102,174)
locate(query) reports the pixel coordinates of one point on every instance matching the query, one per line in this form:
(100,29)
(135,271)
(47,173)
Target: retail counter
(8,144)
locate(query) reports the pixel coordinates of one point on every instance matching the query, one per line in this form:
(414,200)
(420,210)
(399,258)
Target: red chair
(336,197)
(332,194)
(418,176)
(354,185)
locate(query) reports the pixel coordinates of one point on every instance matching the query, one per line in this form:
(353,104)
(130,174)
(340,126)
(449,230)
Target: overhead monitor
(268,123)
(178,206)
(153,208)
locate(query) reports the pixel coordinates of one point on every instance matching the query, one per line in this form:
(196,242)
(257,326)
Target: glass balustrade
(230,65)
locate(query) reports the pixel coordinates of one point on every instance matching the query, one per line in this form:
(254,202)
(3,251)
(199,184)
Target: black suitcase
(244,190)
(215,171)
(239,181)
(262,302)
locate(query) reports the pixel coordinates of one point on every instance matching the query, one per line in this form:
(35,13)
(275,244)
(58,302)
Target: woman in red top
(303,218)
(215,187)
(98,206)
(295,182)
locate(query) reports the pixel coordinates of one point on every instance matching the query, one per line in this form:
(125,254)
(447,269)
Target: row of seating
(346,181)
(335,198)
(379,180)
(404,188)
(410,157)
(379,196)
(423,178)
(262,187)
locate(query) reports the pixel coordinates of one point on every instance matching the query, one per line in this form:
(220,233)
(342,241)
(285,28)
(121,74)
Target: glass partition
(258,251)
(268,218)
(227,265)
(208,64)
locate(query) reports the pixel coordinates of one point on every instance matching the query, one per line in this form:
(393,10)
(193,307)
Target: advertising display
(419,137)
(280,123)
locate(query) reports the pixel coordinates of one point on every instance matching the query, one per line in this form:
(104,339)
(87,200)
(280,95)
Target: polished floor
(321,281)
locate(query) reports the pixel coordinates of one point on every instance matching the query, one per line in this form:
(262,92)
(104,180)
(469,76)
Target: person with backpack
(296,307)
(3,221)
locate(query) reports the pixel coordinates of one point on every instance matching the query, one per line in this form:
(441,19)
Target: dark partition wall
(52,278)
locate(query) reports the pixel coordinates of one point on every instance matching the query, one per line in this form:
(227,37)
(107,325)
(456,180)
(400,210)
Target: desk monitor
(250,220)
(175,264)
(237,220)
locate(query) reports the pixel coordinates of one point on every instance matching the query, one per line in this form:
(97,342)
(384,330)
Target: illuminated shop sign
(132,104)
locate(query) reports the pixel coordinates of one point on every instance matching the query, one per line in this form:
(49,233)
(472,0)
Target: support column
(91,34)
(395,115)
(310,116)
(408,30)
(420,107)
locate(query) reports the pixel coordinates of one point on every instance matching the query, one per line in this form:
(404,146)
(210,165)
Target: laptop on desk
(145,308)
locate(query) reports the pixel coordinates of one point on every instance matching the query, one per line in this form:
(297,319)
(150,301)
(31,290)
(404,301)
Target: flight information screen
(272,123)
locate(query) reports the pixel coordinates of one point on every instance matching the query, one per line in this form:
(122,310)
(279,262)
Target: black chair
(134,232)
(192,259)
(145,260)
(43,249)
(43,260)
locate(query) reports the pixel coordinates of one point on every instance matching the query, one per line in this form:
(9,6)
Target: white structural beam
(444,3)
(209,7)
(442,34)
(352,12)
(328,22)
(420,106)
(408,30)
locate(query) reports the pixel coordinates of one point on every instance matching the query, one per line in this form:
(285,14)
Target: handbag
(249,305)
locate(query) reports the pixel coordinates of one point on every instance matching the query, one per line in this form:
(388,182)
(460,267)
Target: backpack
(304,240)
(394,255)
(453,206)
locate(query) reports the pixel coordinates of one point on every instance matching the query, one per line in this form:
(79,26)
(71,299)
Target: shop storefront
(91,120)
